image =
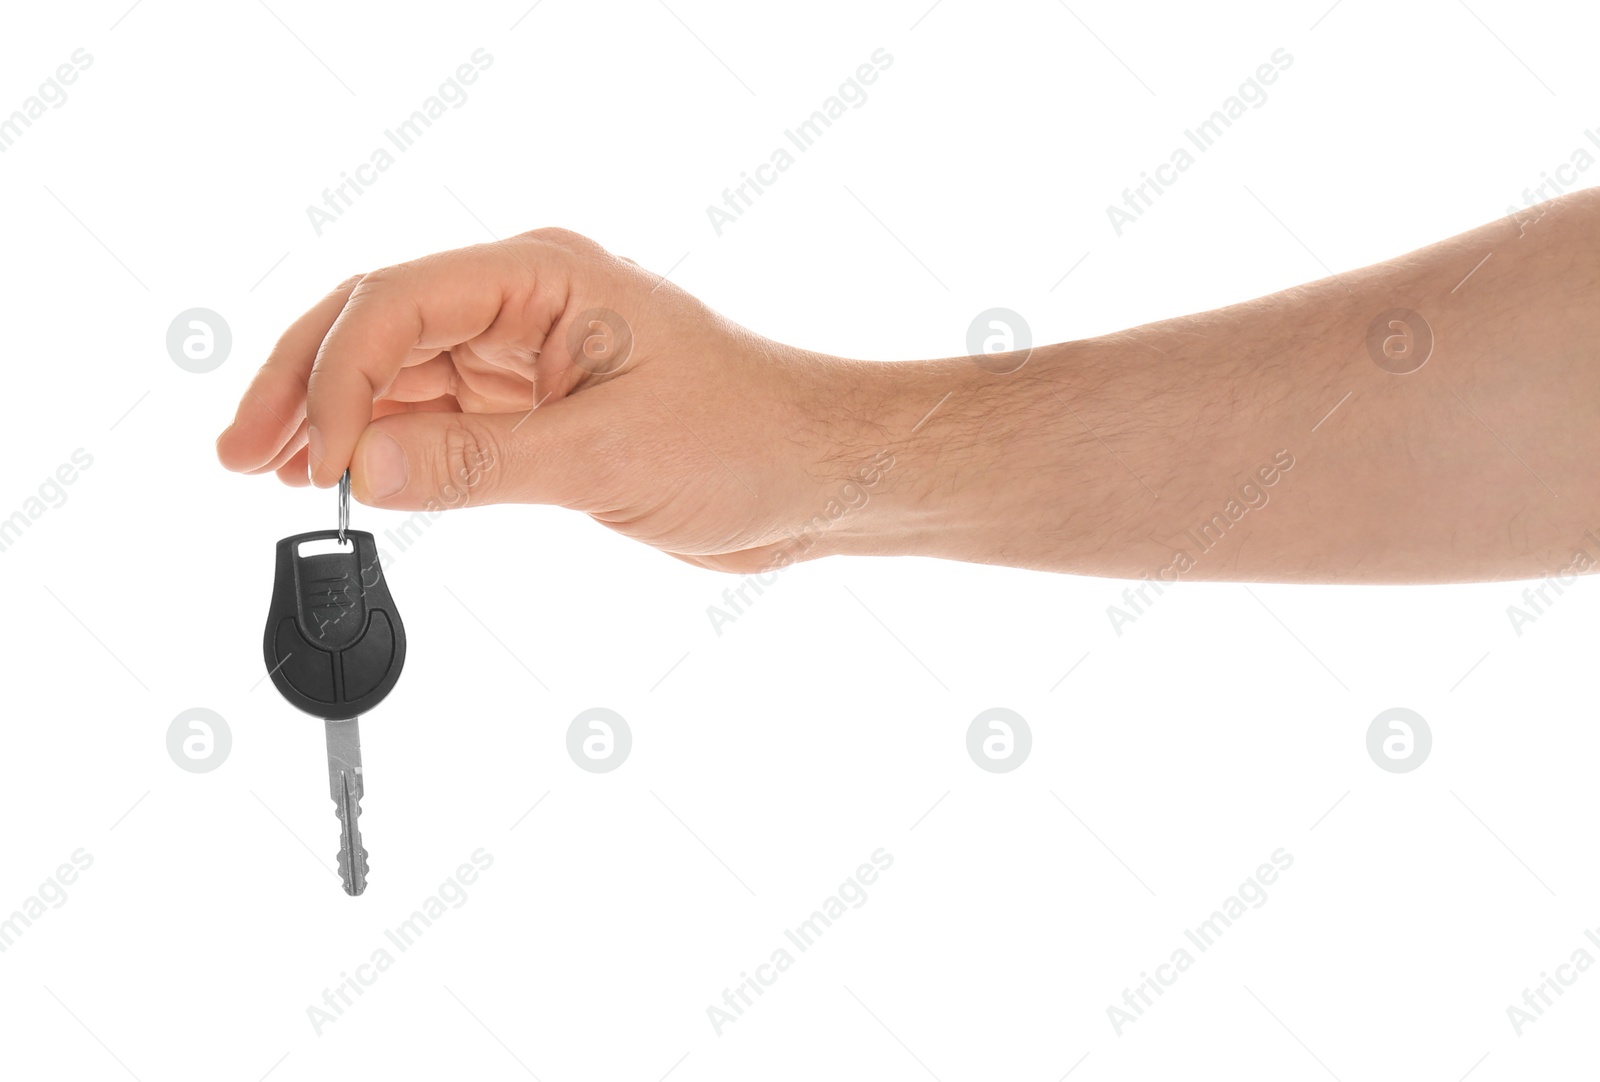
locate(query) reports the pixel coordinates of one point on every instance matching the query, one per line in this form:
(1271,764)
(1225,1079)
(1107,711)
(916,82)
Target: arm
(1261,441)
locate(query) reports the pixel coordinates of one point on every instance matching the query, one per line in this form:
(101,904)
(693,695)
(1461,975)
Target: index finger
(433,303)
(273,406)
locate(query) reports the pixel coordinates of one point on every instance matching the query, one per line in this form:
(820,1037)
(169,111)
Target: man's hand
(1274,440)
(543,369)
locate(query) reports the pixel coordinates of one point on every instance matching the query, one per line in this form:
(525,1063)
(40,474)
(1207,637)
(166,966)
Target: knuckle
(470,460)
(366,283)
(564,238)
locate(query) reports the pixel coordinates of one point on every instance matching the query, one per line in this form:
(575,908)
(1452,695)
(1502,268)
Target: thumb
(436,461)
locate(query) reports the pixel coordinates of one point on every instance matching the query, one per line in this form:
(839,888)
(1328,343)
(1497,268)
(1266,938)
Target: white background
(825,723)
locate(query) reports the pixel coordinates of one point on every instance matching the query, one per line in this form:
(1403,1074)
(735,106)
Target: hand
(543,369)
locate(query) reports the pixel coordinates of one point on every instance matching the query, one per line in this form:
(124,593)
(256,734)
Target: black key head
(334,642)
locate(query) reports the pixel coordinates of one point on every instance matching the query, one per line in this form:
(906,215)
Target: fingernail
(383,466)
(314,448)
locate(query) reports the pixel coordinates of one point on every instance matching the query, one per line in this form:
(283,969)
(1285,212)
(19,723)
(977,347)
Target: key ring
(344,506)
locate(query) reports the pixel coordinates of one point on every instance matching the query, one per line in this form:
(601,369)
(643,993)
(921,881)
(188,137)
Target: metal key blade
(345,786)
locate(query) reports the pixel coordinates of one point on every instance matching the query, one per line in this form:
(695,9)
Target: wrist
(1048,461)
(944,457)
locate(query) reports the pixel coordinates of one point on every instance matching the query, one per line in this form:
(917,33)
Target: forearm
(1263,441)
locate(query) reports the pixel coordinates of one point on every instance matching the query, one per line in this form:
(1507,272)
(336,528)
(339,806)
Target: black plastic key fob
(334,642)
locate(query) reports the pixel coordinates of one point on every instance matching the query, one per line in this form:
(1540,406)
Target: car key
(334,646)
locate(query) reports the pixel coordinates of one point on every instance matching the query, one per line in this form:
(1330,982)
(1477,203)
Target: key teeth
(351,887)
(344,873)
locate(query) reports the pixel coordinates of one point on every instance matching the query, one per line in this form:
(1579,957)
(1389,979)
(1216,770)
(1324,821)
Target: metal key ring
(344,506)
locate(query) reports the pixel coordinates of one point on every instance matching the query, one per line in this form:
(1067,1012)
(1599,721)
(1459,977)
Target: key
(334,647)
(344,784)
